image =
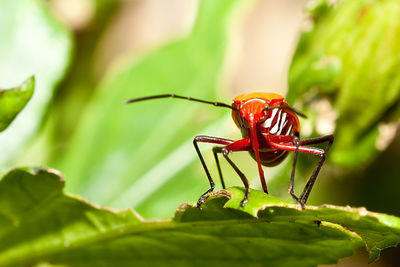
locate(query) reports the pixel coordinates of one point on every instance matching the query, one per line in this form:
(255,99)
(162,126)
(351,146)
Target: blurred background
(337,61)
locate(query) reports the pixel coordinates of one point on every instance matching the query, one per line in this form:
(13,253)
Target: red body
(270,129)
(259,116)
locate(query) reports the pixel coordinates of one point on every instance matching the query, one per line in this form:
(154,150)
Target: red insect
(270,129)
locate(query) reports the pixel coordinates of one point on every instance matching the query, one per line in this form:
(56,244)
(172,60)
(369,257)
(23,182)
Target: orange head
(253,107)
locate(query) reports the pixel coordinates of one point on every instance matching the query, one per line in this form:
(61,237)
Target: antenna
(301,114)
(217,104)
(287,107)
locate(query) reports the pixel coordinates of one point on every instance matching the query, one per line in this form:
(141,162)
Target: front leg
(212,140)
(241,145)
(231,146)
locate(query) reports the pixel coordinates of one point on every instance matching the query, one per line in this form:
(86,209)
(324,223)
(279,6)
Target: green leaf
(147,147)
(349,57)
(377,230)
(12,101)
(32,42)
(39,223)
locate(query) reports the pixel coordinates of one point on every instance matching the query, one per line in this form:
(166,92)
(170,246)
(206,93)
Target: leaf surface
(12,101)
(47,225)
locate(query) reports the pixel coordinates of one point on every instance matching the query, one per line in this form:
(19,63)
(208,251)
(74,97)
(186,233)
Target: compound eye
(266,112)
(267,109)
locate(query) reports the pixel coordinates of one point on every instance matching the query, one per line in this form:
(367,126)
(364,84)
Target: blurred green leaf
(46,225)
(12,101)
(317,9)
(147,147)
(78,85)
(350,57)
(32,42)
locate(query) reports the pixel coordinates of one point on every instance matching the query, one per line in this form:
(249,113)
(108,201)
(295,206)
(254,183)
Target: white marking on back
(275,128)
(289,130)
(283,123)
(267,122)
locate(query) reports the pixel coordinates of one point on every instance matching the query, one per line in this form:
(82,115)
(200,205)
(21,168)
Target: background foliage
(33,42)
(350,58)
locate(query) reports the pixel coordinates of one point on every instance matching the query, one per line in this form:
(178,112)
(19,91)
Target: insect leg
(319,140)
(307,189)
(291,186)
(212,140)
(291,146)
(225,152)
(241,145)
(256,150)
(216,150)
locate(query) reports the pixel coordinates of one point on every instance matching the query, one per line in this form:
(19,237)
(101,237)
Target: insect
(270,130)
